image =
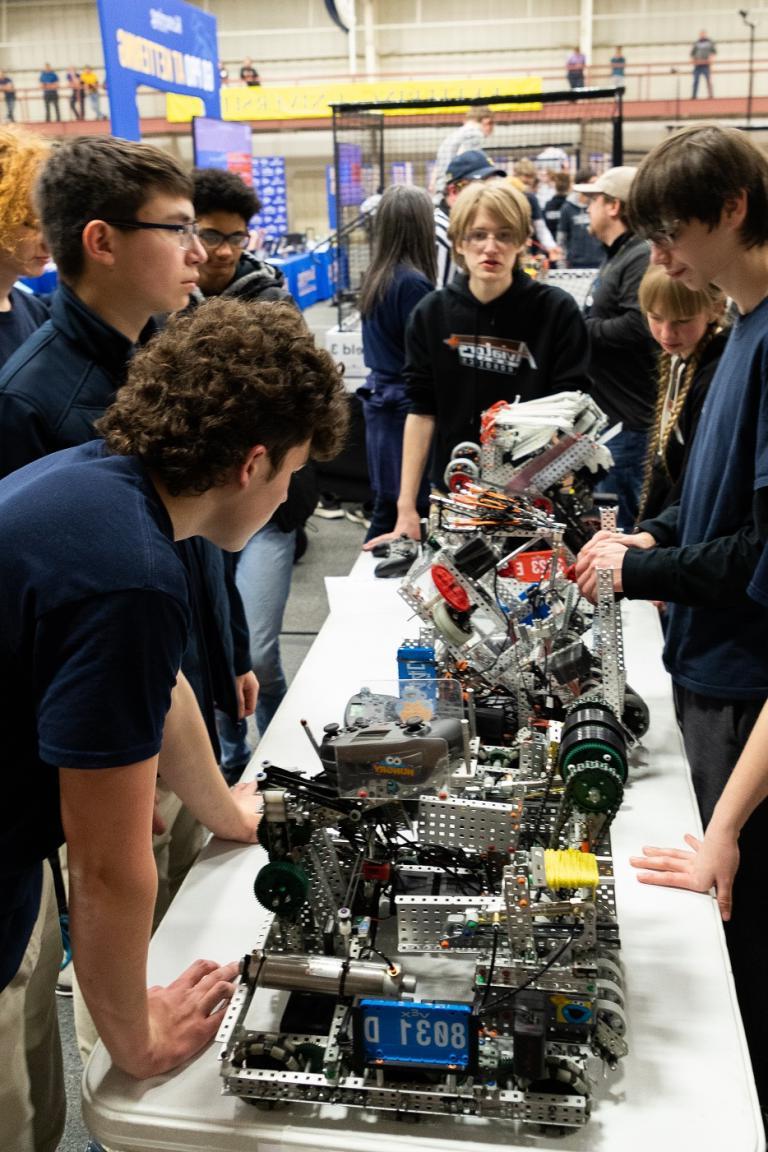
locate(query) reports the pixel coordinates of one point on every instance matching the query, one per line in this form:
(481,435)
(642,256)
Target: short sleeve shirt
(93,624)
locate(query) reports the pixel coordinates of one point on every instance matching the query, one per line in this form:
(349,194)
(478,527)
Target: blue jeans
(235,749)
(628,449)
(263,578)
(701,71)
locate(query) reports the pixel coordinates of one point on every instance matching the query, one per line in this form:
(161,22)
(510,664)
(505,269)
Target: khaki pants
(32,1099)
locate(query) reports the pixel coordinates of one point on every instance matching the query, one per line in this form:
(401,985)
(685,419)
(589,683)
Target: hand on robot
(251,805)
(184,1017)
(711,863)
(606,550)
(408,524)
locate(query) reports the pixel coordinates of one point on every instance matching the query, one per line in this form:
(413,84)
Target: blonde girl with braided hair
(690,328)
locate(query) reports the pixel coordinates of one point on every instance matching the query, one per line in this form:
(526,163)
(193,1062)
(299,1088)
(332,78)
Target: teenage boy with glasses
(701,199)
(492,334)
(119,221)
(223,207)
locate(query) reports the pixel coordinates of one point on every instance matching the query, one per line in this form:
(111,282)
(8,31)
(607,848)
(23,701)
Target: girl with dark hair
(403,269)
(688,326)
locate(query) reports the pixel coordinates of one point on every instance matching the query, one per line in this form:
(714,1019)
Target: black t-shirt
(93,624)
(27,313)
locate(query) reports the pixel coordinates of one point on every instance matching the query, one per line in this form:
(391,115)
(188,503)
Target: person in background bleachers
(618,65)
(249,74)
(49,83)
(8,89)
(76,93)
(702,52)
(23,251)
(574,68)
(90,83)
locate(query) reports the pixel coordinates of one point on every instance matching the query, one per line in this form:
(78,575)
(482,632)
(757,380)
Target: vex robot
(439,931)
(438,928)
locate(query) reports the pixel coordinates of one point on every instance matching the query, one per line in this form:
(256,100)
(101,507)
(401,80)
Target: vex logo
(491,353)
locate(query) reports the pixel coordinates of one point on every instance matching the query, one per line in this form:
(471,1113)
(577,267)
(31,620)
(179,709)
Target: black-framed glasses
(212,238)
(186,234)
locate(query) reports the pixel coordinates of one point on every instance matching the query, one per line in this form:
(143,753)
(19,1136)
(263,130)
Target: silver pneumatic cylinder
(300,973)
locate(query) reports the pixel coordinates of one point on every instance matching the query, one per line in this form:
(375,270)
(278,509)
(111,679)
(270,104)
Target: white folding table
(686,1082)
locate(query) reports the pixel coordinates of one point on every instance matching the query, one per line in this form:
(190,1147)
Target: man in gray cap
(462,170)
(621,350)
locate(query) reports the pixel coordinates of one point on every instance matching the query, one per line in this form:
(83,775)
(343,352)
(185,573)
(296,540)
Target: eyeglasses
(185,233)
(477,237)
(665,236)
(212,238)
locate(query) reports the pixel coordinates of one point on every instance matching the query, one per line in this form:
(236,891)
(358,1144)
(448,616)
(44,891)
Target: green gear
(281,887)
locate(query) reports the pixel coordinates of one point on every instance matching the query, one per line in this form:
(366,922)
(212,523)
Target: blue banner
(167,45)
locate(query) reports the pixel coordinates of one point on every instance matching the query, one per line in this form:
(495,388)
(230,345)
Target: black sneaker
(359,514)
(329,507)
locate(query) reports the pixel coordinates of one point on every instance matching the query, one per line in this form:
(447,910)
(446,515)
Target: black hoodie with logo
(462,356)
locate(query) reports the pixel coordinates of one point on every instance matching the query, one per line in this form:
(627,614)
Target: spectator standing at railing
(8,89)
(49,82)
(702,52)
(249,74)
(618,65)
(574,68)
(76,93)
(90,83)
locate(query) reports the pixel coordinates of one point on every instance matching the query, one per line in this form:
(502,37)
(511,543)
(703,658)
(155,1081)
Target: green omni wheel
(281,887)
(593,752)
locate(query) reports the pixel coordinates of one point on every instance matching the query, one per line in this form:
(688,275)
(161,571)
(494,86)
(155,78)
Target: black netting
(376,145)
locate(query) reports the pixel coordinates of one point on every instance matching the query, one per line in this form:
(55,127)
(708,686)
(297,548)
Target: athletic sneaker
(329,507)
(359,514)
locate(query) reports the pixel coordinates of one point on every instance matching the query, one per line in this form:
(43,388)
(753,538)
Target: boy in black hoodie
(493,334)
(223,206)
